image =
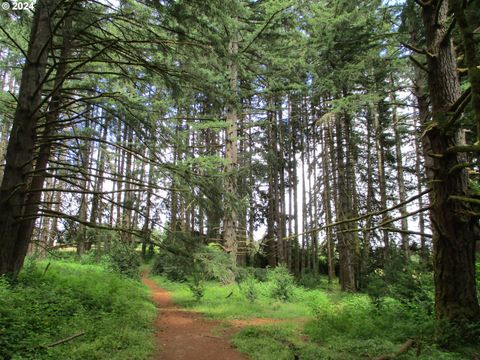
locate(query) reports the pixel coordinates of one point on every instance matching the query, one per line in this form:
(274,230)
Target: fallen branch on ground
(66,339)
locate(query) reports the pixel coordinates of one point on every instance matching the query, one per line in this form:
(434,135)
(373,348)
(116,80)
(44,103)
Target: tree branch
(66,339)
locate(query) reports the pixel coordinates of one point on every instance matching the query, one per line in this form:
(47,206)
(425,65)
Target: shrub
(181,257)
(376,288)
(214,264)
(260,274)
(124,259)
(172,266)
(309,280)
(249,288)
(197,286)
(282,283)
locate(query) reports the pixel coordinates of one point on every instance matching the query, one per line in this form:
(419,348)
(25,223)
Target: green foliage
(408,282)
(186,259)
(318,324)
(230,301)
(124,259)
(282,283)
(214,264)
(249,288)
(314,281)
(52,303)
(196,286)
(376,288)
(166,264)
(457,335)
(266,343)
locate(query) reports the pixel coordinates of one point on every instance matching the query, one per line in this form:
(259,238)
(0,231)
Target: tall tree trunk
(128,200)
(85,153)
(422,143)
(400,176)
(453,229)
(146,231)
(294,181)
(327,205)
(345,243)
(382,182)
(230,216)
(271,245)
(19,156)
(334,177)
(34,196)
(370,197)
(120,158)
(350,171)
(471,58)
(96,214)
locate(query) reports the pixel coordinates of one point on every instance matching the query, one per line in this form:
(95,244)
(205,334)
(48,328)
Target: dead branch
(66,339)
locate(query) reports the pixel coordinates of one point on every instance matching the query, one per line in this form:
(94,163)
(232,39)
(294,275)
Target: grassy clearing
(45,306)
(331,325)
(228,301)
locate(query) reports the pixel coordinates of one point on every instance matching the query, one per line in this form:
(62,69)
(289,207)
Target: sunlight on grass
(326,323)
(227,302)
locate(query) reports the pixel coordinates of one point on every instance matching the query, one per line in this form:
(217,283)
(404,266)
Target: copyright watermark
(18,5)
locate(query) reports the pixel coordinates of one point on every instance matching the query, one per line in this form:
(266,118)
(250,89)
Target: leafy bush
(260,274)
(172,266)
(186,259)
(124,259)
(408,282)
(376,288)
(197,287)
(309,280)
(249,288)
(214,264)
(282,283)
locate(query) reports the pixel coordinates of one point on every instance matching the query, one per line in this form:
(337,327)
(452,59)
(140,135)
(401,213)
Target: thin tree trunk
(400,177)
(85,152)
(327,205)
(230,216)
(382,182)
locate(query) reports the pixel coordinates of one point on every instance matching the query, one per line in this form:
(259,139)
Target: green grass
(330,324)
(217,303)
(45,306)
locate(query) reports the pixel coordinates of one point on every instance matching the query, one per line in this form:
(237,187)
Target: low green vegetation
(233,301)
(55,299)
(320,321)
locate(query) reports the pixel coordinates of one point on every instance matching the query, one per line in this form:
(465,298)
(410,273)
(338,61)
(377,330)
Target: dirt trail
(182,334)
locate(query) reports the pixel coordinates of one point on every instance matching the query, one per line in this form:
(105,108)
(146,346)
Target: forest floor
(185,334)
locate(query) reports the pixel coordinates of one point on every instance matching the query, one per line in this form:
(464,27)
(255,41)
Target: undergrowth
(321,323)
(53,300)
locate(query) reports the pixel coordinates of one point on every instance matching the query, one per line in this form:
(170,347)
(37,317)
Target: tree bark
(19,156)
(453,228)
(345,243)
(230,216)
(400,176)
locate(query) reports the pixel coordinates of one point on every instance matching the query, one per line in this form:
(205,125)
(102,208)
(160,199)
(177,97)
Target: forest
(240,179)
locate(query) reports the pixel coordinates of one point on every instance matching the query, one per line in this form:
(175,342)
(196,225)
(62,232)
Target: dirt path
(182,334)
